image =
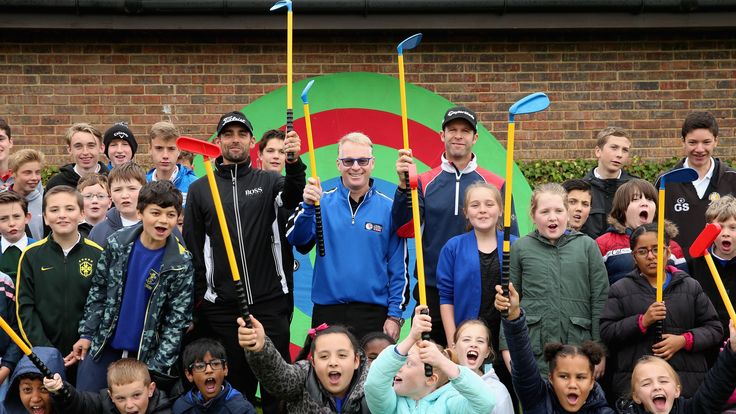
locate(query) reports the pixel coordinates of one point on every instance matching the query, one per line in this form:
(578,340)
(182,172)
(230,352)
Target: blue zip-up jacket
(458,274)
(364,241)
(536,395)
(465,394)
(442,216)
(228,401)
(184,177)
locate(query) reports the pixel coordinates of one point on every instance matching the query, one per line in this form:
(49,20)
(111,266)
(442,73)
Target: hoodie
(112,223)
(35,207)
(504,403)
(67,176)
(228,401)
(49,356)
(184,177)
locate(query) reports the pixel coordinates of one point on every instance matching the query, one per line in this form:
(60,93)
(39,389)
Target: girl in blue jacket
(470,266)
(397,383)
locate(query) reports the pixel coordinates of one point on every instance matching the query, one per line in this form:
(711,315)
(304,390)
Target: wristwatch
(399,321)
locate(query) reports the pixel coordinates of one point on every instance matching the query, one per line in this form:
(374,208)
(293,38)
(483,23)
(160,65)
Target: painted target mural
(369,103)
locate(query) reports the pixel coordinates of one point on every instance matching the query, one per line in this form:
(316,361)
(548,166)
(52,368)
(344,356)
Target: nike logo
(43,269)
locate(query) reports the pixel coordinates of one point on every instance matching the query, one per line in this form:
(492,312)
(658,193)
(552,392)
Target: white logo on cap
(452,113)
(120,134)
(231,119)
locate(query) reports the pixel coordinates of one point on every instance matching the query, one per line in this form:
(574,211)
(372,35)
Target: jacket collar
(227,170)
(172,254)
(447,166)
(345,192)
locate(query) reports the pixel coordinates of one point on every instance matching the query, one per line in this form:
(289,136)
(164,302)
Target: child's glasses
(215,364)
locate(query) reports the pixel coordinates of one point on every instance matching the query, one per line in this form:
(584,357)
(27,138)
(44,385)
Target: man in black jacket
(248,198)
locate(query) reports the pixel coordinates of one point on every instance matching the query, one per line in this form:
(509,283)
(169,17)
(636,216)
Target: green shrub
(556,171)
(47,172)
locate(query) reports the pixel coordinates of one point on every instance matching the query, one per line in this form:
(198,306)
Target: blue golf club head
(529,104)
(680,175)
(281,3)
(306,91)
(409,43)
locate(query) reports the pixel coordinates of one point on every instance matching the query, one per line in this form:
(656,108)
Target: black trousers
(359,318)
(433,301)
(219,322)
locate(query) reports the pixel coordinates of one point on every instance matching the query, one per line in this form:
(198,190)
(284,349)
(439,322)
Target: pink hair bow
(313,332)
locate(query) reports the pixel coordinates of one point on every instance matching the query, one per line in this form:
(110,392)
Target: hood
(596,402)
(36,194)
(566,237)
(184,175)
(194,398)
(49,356)
(113,219)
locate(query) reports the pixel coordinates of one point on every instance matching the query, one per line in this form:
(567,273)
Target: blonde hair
(24,156)
(127,370)
(81,127)
(548,188)
(164,130)
(495,193)
(355,138)
(721,210)
(602,137)
(651,359)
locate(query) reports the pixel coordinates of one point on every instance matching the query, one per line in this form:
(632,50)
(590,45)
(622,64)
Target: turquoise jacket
(465,394)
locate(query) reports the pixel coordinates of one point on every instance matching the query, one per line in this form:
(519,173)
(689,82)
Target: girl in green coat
(560,276)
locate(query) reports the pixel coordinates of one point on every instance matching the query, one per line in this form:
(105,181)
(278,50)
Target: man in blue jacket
(441,195)
(362,281)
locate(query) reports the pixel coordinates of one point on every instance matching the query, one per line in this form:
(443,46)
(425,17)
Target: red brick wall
(646,81)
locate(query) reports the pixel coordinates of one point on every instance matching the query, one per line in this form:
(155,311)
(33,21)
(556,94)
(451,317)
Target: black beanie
(119,131)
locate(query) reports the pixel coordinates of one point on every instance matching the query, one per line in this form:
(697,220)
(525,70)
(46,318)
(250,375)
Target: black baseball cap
(461,112)
(234,117)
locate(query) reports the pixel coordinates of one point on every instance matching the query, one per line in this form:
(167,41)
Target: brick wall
(646,81)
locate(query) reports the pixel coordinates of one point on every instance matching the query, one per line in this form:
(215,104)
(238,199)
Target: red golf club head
(197,146)
(705,239)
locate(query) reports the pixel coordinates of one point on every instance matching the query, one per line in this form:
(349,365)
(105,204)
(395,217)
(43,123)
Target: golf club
(45,371)
(212,151)
(421,286)
(313,167)
(700,248)
(407,44)
(680,175)
(529,104)
(290,156)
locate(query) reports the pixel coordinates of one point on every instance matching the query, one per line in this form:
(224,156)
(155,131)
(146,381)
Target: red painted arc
(383,128)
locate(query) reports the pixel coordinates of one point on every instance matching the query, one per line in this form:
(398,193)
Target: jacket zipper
(458,174)
(359,205)
(145,318)
(239,230)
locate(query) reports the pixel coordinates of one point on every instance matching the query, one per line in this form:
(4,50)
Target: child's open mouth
(36,409)
(397,380)
(472,357)
(726,244)
(210,385)
(644,215)
(160,230)
(334,377)
(660,402)
(572,398)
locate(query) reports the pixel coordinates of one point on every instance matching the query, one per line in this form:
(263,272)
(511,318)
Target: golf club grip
(46,372)
(658,331)
(290,156)
(408,189)
(320,234)
(245,312)
(505,264)
(426,337)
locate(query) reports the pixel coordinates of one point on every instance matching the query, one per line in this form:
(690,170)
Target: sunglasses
(349,162)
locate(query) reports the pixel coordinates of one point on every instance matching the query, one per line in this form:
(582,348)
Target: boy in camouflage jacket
(145,318)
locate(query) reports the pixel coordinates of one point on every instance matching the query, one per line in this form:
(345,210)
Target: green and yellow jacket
(51,290)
